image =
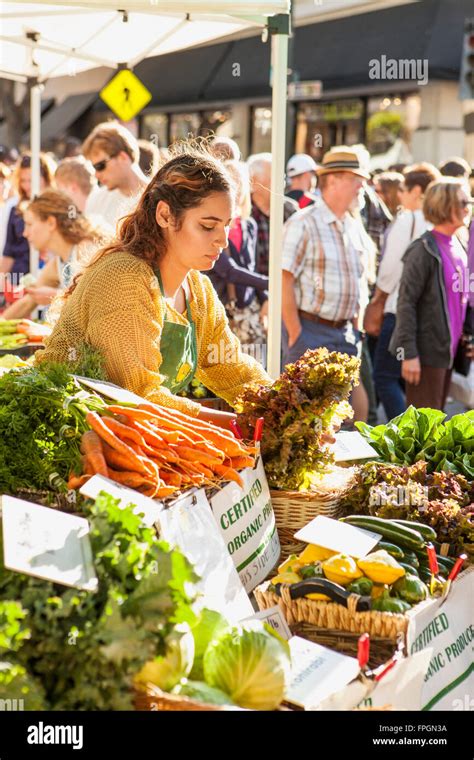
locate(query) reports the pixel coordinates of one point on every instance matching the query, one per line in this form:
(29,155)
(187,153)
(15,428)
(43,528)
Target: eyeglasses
(100,165)
(465,202)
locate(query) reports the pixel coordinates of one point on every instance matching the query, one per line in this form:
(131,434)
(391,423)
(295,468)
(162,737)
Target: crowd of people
(375,264)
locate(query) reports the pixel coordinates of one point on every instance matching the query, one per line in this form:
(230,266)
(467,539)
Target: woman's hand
(264,315)
(43,295)
(411,370)
(468,341)
(222,419)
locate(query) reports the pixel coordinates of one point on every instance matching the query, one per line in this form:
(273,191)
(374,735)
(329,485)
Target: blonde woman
(54,223)
(432,302)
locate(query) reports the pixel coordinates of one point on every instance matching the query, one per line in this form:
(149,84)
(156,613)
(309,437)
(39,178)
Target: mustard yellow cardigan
(117,307)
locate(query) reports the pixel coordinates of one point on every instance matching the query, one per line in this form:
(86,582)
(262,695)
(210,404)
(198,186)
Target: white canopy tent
(39,41)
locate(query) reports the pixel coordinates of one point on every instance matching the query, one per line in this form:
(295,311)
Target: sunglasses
(100,165)
(465,203)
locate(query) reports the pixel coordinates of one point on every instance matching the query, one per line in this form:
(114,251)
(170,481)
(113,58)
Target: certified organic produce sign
(246,519)
(447,627)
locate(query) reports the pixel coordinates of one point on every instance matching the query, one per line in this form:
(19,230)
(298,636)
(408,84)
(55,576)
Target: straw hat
(342,160)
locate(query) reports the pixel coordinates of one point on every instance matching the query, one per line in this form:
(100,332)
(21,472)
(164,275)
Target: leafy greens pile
(306,401)
(42,418)
(423,435)
(443,500)
(67,649)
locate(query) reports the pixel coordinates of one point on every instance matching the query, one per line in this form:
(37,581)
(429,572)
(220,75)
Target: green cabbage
(208,627)
(251,663)
(202,692)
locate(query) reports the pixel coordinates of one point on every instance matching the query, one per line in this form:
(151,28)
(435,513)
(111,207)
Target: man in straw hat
(325,255)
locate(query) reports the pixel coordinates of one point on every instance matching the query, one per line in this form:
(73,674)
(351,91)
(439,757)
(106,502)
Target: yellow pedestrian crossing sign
(125,95)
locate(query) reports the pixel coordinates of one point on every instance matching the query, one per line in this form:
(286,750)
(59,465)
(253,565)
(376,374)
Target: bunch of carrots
(34,331)
(159,451)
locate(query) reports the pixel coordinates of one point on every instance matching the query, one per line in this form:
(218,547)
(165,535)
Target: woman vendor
(144,304)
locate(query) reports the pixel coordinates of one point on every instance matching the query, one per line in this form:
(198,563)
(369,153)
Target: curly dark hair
(183,182)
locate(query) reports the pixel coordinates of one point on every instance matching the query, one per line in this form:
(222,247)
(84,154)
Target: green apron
(178,349)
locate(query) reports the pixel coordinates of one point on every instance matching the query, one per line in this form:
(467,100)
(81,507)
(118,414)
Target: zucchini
(444,567)
(412,561)
(409,569)
(425,574)
(398,534)
(428,533)
(449,562)
(411,557)
(395,551)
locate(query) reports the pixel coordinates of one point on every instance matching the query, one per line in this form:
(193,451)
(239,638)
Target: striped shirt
(328,258)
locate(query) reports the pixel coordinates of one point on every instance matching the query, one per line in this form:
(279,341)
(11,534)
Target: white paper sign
(109,390)
(47,544)
(351,445)
(402,686)
(190,525)
(317,672)
(274,616)
(246,519)
(338,536)
(149,508)
(448,629)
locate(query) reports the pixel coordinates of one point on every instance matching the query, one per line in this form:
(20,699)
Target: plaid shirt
(329,259)
(263,235)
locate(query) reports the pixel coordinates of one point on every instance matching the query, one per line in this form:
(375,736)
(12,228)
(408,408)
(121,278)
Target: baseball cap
(299,164)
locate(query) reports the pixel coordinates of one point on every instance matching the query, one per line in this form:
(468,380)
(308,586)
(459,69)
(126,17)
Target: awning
(328,50)
(45,40)
(338,52)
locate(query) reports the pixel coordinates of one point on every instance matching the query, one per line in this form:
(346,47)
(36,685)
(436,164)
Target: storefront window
(262,130)
(155,128)
(391,121)
(320,126)
(183,125)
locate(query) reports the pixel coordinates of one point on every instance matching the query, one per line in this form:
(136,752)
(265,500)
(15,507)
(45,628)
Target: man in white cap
(326,254)
(301,174)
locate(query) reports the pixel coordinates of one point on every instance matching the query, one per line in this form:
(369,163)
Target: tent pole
(35,146)
(279,94)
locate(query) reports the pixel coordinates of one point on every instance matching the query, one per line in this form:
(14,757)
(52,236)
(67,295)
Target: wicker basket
(154,700)
(381,650)
(295,509)
(332,617)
